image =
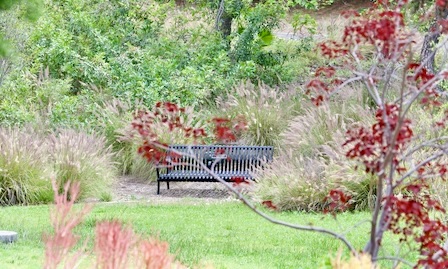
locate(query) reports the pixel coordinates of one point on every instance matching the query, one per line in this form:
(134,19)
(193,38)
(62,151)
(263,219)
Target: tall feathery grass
(312,160)
(30,157)
(267,111)
(24,166)
(426,130)
(113,117)
(83,158)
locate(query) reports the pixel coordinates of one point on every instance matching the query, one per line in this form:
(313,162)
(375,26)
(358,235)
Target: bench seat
(226,161)
(200,176)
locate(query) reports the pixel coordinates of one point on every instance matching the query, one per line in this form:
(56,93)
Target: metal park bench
(226,161)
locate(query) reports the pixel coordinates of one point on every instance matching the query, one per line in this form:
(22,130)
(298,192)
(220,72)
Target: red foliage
(269,204)
(224,130)
(154,152)
(326,71)
(382,147)
(441,3)
(443,24)
(389,133)
(333,49)
(239,180)
(337,201)
(410,218)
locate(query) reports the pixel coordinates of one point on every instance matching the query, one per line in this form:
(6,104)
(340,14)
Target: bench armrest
(159,170)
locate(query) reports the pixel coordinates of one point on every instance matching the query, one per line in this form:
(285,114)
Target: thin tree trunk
(427,55)
(223,21)
(5,67)
(428,52)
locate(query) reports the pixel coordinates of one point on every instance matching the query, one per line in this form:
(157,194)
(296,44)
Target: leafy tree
(255,17)
(433,11)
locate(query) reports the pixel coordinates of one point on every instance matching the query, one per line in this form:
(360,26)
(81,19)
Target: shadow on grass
(195,193)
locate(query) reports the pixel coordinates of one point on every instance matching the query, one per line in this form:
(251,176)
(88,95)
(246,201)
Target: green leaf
(266,37)
(241,30)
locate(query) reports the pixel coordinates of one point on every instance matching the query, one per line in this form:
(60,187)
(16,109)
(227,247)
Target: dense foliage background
(79,69)
(87,65)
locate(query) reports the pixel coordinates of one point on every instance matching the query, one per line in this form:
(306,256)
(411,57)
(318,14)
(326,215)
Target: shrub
(23,167)
(112,117)
(311,160)
(84,158)
(294,183)
(150,51)
(297,58)
(266,109)
(137,50)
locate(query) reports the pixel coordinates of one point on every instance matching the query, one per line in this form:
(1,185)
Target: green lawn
(226,235)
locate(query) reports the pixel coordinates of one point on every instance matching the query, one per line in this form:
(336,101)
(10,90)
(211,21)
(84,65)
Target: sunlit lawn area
(224,235)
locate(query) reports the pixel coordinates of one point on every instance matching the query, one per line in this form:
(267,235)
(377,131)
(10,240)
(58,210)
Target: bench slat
(227,161)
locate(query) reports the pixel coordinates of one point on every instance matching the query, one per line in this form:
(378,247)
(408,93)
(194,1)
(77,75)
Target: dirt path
(129,189)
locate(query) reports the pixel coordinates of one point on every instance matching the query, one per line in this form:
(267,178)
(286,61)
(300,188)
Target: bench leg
(158,187)
(167,185)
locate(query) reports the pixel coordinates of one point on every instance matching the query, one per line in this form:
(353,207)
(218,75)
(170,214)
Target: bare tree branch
(260,213)
(391,258)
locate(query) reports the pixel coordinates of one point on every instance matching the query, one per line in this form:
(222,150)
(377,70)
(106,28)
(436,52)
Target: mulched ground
(130,189)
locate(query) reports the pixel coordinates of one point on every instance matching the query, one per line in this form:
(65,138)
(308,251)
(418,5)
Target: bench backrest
(222,158)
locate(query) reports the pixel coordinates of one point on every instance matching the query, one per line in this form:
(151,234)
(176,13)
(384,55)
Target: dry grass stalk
(113,243)
(266,109)
(360,261)
(154,255)
(78,156)
(64,220)
(116,246)
(312,160)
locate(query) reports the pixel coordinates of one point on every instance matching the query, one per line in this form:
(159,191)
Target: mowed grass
(223,235)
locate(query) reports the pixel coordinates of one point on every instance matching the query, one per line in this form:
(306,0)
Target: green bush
(122,50)
(82,53)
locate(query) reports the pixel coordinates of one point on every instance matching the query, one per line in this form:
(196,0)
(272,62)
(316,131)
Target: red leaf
(239,180)
(269,205)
